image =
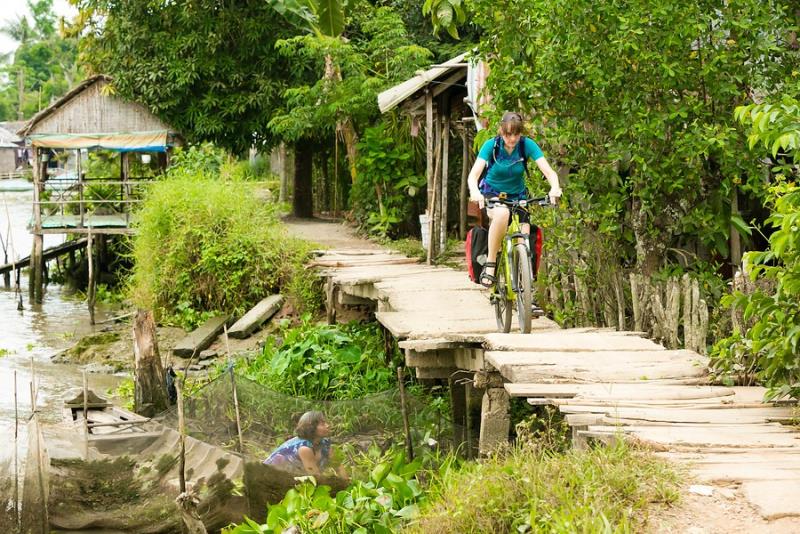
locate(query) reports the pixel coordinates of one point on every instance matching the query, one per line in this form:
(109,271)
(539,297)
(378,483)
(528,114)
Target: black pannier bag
(477,248)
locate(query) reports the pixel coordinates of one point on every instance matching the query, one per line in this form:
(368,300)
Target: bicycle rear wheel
(502,306)
(522,275)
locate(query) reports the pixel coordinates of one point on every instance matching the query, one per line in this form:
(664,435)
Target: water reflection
(39,330)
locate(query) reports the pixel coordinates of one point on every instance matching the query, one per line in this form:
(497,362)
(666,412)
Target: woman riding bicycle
(506,178)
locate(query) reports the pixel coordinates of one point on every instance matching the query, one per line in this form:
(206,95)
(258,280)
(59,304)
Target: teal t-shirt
(507,174)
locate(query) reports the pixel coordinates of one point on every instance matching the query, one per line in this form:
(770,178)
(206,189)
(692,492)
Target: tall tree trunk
(650,248)
(344,126)
(150,389)
(303,200)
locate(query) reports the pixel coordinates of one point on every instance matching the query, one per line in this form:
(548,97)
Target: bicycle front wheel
(522,275)
(502,306)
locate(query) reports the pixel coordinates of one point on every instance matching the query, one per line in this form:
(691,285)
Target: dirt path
(328,234)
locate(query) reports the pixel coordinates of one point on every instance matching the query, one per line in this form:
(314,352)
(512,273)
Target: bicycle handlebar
(521,203)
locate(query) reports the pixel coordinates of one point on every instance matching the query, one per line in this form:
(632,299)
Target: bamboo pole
(404,410)
(463,192)
(429,166)
(86,416)
(235,396)
(444,175)
(182,432)
(16,457)
(90,290)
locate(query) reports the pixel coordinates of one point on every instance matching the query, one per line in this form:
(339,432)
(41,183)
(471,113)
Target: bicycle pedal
(536,311)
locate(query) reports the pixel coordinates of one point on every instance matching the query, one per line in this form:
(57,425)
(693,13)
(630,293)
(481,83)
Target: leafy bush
(324,362)
(770,345)
(380,504)
(210,245)
(387,191)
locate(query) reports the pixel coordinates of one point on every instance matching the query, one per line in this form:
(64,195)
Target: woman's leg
(498,225)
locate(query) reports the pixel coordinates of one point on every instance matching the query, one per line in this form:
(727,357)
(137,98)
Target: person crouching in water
(309,451)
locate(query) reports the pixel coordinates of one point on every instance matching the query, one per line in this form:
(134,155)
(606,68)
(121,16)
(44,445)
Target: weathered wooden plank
(425,345)
(200,338)
(256,316)
(612,391)
(435,372)
(774,499)
(732,436)
(675,372)
(731,416)
(604,366)
(569,341)
(589,359)
(430,359)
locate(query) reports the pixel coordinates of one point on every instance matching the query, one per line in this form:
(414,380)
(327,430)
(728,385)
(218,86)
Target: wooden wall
(91,111)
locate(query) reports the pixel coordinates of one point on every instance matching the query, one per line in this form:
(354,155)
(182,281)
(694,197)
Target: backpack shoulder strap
(523,154)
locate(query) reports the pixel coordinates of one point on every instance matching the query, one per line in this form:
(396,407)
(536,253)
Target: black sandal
(488,280)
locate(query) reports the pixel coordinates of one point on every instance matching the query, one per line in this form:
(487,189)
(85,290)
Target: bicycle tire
(522,275)
(502,306)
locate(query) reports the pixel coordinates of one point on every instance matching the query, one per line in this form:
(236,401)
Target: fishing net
(127,476)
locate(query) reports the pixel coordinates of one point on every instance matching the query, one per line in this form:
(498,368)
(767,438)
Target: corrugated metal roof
(390,98)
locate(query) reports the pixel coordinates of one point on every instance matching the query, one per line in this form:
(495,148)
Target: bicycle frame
(513,233)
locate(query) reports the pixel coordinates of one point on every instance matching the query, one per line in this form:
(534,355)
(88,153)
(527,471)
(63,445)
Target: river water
(28,338)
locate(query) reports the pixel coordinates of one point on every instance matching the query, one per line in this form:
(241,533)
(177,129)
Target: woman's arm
(472,181)
(309,460)
(552,179)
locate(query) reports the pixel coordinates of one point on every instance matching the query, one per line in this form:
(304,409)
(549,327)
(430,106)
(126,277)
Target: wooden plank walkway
(610,385)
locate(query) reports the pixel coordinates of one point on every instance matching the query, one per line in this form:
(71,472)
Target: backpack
(476,251)
(496,152)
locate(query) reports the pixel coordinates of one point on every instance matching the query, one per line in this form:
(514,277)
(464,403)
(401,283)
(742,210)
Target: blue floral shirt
(286,455)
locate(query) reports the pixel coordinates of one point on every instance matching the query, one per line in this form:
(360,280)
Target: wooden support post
(429,128)
(182,432)
(150,390)
(463,192)
(495,420)
(37,252)
(123,193)
(458,401)
(85,417)
(445,142)
(406,427)
(90,289)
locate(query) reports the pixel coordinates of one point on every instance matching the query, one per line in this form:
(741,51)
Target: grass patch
(529,489)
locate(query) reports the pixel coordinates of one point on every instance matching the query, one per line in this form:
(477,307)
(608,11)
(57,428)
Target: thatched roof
(91,110)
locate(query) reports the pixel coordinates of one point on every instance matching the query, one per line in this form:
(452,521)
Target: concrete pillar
(495,420)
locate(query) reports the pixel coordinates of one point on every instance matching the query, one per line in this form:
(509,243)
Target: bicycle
(514,271)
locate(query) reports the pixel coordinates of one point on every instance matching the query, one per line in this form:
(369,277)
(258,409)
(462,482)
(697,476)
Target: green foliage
(46,61)
(202,158)
(388,189)
(210,245)
(635,98)
(325,362)
(772,342)
(380,504)
(124,392)
(447,14)
(604,489)
(208,69)
(350,73)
